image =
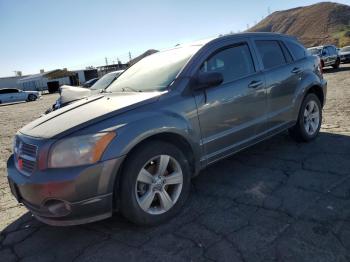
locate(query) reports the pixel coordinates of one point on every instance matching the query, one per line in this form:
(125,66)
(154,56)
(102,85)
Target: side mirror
(205,80)
(324,52)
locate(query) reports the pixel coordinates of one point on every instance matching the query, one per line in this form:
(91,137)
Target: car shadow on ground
(278,199)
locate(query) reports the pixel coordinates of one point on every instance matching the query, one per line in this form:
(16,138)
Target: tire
(31,97)
(337,64)
(307,128)
(133,193)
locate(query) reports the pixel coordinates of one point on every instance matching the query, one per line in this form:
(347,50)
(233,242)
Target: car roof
(206,41)
(7,88)
(244,34)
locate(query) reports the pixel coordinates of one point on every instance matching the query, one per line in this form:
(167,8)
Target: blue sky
(50,34)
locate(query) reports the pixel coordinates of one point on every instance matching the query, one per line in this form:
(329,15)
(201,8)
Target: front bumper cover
(67,196)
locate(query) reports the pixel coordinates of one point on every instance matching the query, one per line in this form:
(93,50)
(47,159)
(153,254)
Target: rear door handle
(255,84)
(296,70)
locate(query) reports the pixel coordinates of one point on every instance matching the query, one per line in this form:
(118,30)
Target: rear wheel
(31,97)
(337,64)
(309,120)
(155,183)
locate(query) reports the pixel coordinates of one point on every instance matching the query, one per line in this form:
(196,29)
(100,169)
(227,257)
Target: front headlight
(79,150)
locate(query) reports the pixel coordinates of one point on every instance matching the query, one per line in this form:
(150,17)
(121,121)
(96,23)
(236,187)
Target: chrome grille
(25,155)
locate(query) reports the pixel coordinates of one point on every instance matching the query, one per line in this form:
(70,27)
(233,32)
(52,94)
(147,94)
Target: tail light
(319,67)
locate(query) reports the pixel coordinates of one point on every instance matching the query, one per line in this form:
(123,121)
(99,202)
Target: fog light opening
(57,207)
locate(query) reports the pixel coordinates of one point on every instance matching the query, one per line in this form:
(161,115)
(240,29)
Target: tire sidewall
(129,205)
(337,64)
(303,132)
(31,97)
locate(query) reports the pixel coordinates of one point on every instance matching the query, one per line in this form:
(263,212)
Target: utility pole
(130,56)
(106,60)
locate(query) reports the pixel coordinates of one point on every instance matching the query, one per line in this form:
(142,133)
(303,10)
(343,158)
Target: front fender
(131,134)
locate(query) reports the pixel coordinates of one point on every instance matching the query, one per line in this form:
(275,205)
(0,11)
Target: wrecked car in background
(70,94)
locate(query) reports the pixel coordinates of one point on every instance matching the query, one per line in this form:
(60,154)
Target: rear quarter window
(298,51)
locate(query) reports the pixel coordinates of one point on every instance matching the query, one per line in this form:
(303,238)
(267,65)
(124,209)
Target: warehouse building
(53,79)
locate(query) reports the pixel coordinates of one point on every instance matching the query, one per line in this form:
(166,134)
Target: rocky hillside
(316,24)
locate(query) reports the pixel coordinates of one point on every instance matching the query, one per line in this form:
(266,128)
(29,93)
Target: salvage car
(90,83)
(345,54)
(70,94)
(10,95)
(328,54)
(135,147)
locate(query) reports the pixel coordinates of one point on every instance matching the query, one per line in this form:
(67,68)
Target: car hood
(72,93)
(86,112)
(344,53)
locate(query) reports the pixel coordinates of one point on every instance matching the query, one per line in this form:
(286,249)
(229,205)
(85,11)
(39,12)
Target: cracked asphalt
(276,201)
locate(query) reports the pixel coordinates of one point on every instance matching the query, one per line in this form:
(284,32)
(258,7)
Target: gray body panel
(215,122)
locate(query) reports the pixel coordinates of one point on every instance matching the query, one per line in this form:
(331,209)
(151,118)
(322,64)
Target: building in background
(50,80)
(102,70)
(53,79)
(9,82)
(86,74)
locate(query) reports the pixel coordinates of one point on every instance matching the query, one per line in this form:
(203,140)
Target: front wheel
(31,97)
(337,64)
(309,120)
(155,183)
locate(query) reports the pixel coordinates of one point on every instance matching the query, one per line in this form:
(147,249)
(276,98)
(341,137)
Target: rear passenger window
(233,63)
(297,50)
(271,53)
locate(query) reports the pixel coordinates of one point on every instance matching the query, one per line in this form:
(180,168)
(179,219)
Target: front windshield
(315,51)
(105,81)
(154,72)
(345,49)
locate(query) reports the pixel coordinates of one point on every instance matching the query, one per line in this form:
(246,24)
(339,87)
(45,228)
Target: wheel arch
(317,90)
(170,137)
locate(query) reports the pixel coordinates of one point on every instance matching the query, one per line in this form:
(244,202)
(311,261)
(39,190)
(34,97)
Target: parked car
(135,147)
(345,54)
(90,82)
(70,94)
(328,54)
(9,95)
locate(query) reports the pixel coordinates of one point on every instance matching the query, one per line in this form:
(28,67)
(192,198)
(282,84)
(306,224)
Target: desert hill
(317,24)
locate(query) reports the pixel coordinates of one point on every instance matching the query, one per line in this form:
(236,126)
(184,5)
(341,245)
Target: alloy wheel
(159,184)
(311,118)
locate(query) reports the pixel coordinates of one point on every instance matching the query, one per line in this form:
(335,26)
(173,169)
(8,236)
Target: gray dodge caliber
(135,147)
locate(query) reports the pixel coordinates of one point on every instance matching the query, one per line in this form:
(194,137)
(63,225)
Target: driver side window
(325,52)
(233,63)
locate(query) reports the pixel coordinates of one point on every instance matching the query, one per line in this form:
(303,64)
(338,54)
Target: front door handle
(296,70)
(255,84)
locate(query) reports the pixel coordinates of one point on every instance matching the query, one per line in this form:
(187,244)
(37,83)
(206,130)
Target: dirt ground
(277,201)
